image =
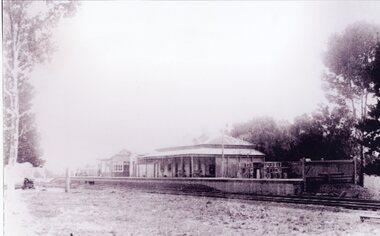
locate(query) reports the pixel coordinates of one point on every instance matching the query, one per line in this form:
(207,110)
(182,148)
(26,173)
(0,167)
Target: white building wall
(372,182)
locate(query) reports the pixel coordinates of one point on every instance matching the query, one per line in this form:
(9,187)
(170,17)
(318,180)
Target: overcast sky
(144,75)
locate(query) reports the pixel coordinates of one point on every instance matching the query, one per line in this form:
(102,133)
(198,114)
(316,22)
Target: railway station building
(223,156)
(118,165)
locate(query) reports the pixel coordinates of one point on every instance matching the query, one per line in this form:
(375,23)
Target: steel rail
(356,205)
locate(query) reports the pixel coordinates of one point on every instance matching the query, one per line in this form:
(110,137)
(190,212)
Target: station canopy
(212,147)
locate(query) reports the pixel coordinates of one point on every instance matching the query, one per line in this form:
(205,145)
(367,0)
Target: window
(118,168)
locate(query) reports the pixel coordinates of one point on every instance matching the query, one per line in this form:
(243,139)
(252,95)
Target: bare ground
(115,211)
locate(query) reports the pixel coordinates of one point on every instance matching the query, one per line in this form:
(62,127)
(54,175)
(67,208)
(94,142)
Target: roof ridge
(227,139)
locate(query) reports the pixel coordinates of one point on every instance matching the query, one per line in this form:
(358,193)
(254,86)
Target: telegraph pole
(223,153)
(67,185)
(223,167)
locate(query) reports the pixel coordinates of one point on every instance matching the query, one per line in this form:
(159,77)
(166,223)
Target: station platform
(229,185)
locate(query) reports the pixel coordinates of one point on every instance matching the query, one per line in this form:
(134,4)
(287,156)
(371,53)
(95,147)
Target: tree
(325,134)
(370,127)
(27,31)
(266,135)
(347,80)
(308,136)
(28,145)
(28,149)
(371,130)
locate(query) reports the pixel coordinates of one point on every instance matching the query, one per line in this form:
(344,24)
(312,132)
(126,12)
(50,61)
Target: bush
(373,168)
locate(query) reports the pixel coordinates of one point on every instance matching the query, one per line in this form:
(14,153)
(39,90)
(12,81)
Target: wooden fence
(315,173)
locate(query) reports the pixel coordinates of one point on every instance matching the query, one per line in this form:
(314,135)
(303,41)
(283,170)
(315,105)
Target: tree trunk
(364,102)
(361,171)
(353,108)
(15,131)
(15,108)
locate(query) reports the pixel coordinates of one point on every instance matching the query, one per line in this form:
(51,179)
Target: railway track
(348,203)
(355,204)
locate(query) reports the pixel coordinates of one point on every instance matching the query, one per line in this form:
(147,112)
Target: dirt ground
(112,211)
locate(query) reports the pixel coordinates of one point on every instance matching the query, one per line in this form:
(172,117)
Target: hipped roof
(204,151)
(231,146)
(123,153)
(228,140)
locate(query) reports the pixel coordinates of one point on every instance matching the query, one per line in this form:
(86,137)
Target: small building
(120,164)
(224,156)
(87,170)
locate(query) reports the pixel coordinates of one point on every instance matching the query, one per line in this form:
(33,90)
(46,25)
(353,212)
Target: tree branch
(10,111)
(7,92)
(353,107)
(365,104)
(24,130)
(23,114)
(7,67)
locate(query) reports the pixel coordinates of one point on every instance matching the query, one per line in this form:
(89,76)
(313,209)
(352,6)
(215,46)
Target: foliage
(29,147)
(325,134)
(373,168)
(347,81)
(371,125)
(28,144)
(267,135)
(27,33)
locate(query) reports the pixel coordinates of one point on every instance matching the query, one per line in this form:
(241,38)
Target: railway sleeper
(377,218)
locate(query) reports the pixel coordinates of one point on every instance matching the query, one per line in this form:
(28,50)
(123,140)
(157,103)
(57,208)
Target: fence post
(355,179)
(303,174)
(67,186)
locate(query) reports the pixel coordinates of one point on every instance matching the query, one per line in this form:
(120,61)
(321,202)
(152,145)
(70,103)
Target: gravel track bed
(113,211)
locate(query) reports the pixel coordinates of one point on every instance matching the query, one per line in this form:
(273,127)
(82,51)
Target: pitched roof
(227,140)
(232,146)
(199,150)
(124,153)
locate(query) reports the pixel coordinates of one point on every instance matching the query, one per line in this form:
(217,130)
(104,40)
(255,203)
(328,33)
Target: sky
(143,75)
